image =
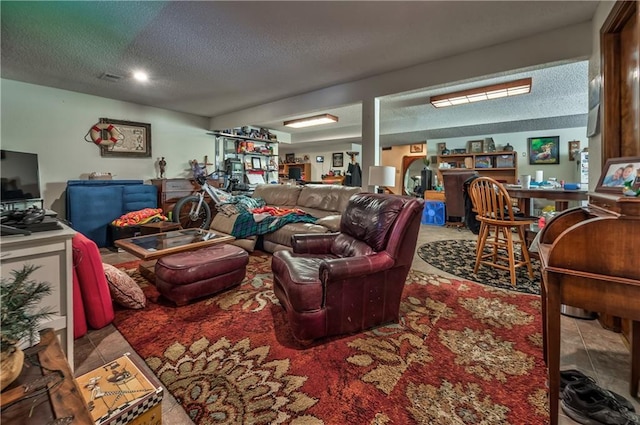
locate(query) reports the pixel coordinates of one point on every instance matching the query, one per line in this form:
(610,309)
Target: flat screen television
(295,173)
(19,176)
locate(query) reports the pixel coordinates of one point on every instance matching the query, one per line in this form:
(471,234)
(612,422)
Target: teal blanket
(245,224)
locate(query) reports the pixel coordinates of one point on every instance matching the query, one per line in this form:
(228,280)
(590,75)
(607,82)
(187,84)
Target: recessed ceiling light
(141,76)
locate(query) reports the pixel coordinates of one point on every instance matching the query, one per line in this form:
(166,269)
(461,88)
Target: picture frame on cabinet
(133,139)
(488,145)
(616,172)
(290,158)
(475,146)
(256,163)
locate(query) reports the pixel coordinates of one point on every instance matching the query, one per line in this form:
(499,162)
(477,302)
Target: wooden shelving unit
(502,166)
(305,168)
(246,148)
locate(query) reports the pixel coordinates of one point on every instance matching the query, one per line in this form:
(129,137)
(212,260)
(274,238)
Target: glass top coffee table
(150,247)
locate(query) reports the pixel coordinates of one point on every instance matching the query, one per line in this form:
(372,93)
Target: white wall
(318,169)
(53,123)
(565,170)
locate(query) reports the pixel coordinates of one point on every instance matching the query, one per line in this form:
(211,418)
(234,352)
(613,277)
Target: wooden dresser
(589,258)
(171,190)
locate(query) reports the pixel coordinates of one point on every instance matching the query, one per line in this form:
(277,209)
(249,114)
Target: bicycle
(194,210)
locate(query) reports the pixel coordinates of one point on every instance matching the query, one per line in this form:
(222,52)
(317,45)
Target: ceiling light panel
(311,121)
(495,91)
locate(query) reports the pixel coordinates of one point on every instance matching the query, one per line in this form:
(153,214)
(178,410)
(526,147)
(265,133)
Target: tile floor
(585,344)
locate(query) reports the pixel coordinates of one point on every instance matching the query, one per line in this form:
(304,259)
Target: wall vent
(388,148)
(110,77)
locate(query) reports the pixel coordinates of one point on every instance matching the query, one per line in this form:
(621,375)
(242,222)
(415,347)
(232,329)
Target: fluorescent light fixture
(309,121)
(495,91)
(382,175)
(141,76)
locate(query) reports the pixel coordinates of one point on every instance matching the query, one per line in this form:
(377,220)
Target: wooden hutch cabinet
(305,170)
(502,166)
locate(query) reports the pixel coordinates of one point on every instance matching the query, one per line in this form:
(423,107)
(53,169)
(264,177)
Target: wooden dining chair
(495,212)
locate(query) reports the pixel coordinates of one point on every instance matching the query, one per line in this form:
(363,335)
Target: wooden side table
(159,227)
(333,180)
(62,399)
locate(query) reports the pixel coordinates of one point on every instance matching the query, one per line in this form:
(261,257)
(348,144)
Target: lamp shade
(382,175)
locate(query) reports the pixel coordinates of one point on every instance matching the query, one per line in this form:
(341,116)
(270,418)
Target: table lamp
(382,175)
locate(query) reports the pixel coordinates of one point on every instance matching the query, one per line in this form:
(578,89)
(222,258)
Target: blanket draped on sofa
(254,223)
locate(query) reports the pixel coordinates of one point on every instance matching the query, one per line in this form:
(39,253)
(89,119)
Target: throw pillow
(124,290)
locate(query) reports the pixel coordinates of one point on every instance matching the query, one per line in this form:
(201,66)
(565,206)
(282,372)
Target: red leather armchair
(346,282)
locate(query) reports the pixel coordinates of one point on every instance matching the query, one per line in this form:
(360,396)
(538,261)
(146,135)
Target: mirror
(411,177)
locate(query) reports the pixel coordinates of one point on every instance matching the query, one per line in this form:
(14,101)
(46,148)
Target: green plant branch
(19,298)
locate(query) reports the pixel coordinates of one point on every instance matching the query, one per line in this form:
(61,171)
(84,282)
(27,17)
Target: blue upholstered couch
(93,204)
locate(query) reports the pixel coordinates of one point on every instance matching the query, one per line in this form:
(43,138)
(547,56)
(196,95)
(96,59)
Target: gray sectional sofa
(324,202)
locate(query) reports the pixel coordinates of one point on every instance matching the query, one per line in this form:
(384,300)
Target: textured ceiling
(558,99)
(211,58)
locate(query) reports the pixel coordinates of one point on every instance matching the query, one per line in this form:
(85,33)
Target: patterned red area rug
(463,353)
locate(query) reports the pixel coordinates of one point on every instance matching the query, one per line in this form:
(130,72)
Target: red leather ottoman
(189,275)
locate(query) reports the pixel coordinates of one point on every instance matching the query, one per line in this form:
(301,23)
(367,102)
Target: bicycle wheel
(185,213)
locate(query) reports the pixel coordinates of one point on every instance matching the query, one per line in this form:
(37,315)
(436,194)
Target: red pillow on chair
(96,298)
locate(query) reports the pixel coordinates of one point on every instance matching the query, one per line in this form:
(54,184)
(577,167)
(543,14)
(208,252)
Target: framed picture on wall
(338,159)
(574,148)
(544,150)
(416,148)
(133,139)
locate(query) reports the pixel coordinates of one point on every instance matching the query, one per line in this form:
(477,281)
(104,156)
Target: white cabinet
(52,251)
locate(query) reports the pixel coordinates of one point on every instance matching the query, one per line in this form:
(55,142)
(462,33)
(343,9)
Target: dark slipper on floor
(587,403)
(574,376)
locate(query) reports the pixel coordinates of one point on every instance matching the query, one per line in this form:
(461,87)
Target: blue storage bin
(434,213)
